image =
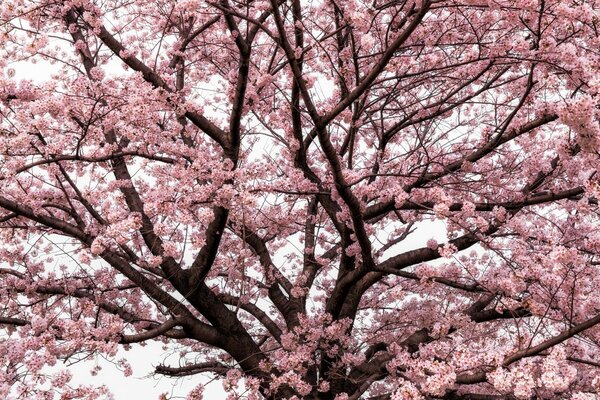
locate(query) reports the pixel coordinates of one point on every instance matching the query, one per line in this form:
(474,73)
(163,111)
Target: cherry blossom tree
(306,199)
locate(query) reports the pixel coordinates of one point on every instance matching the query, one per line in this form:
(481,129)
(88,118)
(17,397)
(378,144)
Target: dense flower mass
(303,199)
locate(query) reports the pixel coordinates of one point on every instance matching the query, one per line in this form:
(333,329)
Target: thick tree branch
(193,369)
(255,311)
(152,333)
(533,350)
(213,131)
(417,16)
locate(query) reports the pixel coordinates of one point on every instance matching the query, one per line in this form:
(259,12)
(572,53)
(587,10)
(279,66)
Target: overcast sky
(142,385)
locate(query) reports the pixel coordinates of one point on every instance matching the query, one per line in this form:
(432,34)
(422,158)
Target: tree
(317,199)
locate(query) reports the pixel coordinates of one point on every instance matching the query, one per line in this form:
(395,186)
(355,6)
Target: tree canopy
(308,199)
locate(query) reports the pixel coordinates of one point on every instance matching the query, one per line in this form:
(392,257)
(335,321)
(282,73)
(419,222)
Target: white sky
(142,384)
